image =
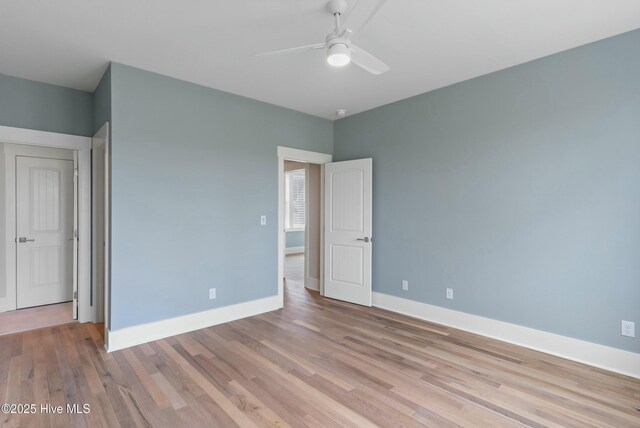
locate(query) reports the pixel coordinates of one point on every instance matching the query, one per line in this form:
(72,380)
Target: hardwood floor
(294,269)
(34,318)
(318,363)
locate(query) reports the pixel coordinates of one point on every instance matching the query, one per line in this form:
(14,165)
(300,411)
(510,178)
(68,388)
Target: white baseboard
(294,250)
(312,283)
(136,335)
(605,357)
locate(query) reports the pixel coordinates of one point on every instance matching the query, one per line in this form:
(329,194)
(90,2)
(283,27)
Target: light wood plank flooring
(318,363)
(34,318)
(294,269)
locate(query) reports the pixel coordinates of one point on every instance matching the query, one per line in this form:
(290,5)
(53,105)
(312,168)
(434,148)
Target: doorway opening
(40,201)
(101,226)
(300,220)
(344,225)
(45,229)
(302,228)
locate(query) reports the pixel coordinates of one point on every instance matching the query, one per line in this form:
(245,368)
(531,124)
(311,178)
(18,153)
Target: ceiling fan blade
(368,62)
(360,15)
(293,50)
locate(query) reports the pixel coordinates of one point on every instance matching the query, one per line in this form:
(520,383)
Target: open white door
(348,214)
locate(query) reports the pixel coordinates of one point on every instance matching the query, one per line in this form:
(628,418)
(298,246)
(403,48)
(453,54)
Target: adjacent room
(363,213)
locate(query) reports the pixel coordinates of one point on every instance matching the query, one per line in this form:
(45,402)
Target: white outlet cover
(450,293)
(628,328)
(263,220)
(405,285)
(212,293)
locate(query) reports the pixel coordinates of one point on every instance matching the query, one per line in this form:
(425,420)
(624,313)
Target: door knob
(24,240)
(365,239)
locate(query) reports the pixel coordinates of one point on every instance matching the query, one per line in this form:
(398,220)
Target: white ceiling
(427,43)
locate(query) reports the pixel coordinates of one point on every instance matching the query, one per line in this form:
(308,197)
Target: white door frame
(29,137)
(101,143)
(287,153)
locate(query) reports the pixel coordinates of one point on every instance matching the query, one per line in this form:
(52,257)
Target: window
(294,200)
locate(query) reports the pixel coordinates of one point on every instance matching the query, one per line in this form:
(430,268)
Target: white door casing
(348,226)
(101,222)
(74,237)
(45,231)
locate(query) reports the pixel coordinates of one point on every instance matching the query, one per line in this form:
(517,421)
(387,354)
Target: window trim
(287,202)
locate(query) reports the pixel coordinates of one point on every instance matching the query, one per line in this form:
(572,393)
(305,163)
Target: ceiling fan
(338,47)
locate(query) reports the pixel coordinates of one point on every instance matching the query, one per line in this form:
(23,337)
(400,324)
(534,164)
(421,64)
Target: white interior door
(348,238)
(45,232)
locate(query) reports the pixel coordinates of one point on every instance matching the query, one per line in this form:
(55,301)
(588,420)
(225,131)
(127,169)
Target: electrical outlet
(405,285)
(628,328)
(212,293)
(263,220)
(450,293)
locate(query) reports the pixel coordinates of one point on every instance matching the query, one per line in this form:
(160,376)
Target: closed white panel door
(348,231)
(44,208)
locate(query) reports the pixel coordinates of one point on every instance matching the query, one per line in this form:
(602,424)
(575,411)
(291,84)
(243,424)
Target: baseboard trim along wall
(139,334)
(312,283)
(605,357)
(294,250)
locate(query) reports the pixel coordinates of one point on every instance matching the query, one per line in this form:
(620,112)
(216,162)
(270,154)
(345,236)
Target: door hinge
(75,172)
(75,234)
(75,295)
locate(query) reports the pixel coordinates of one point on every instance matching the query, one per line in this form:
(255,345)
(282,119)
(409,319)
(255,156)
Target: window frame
(289,209)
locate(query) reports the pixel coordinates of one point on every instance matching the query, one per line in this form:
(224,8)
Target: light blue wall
(34,105)
(102,101)
(43,107)
(3,280)
(294,239)
(193,170)
(519,190)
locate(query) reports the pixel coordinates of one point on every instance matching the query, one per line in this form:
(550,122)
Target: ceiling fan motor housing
(334,39)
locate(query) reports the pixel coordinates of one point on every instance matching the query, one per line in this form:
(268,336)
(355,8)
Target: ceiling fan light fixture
(338,55)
